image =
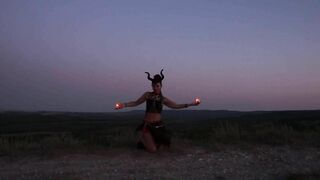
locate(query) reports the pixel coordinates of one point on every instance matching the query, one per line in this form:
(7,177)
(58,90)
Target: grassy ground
(45,133)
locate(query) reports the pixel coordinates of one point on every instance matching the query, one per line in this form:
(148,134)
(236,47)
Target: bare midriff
(152,117)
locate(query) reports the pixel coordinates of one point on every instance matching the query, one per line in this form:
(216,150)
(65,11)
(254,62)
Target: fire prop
(117,105)
(197,100)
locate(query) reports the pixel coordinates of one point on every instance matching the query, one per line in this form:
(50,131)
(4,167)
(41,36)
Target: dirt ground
(180,162)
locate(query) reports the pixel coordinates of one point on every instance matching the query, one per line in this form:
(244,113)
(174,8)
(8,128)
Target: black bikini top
(154,103)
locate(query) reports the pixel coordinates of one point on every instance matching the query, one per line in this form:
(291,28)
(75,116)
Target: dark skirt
(158,131)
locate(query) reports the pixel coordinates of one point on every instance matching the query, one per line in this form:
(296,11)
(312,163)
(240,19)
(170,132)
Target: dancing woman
(154,133)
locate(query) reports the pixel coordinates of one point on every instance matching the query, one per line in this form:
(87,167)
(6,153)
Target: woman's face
(156,88)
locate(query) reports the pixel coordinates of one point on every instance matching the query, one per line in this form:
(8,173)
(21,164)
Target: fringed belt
(156,124)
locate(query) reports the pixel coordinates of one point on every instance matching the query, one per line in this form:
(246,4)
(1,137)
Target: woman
(154,133)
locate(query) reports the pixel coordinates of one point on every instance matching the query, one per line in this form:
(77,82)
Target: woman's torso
(152,117)
(153,107)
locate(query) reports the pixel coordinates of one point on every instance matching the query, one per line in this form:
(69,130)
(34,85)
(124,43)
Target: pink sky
(85,56)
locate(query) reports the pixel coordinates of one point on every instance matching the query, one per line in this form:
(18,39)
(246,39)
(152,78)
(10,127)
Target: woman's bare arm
(173,105)
(137,102)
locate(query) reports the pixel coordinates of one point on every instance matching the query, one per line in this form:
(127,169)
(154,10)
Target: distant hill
(166,114)
(169,116)
(199,125)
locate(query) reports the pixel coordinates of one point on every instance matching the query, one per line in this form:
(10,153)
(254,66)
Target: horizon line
(119,111)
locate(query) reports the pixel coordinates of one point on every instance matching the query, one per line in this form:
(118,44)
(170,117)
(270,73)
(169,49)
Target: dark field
(46,132)
(205,145)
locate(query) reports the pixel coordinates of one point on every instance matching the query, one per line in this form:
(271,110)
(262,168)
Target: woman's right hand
(119,106)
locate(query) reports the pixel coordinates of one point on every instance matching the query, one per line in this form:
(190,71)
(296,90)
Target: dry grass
(47,134)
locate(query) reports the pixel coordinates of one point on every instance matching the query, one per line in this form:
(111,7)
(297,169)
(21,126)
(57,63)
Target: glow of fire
(197,100)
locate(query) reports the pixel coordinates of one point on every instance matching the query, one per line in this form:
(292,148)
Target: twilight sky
(86,55)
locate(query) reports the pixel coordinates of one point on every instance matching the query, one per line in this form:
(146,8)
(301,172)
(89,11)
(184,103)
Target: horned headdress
(156,78)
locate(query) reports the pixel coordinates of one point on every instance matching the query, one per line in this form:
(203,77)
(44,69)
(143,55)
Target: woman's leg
(148,142)
(140,144)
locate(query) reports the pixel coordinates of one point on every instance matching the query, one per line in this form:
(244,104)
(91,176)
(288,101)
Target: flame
(197,100)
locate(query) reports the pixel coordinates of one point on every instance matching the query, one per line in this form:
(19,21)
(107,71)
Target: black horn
(149,76)
(162,76)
